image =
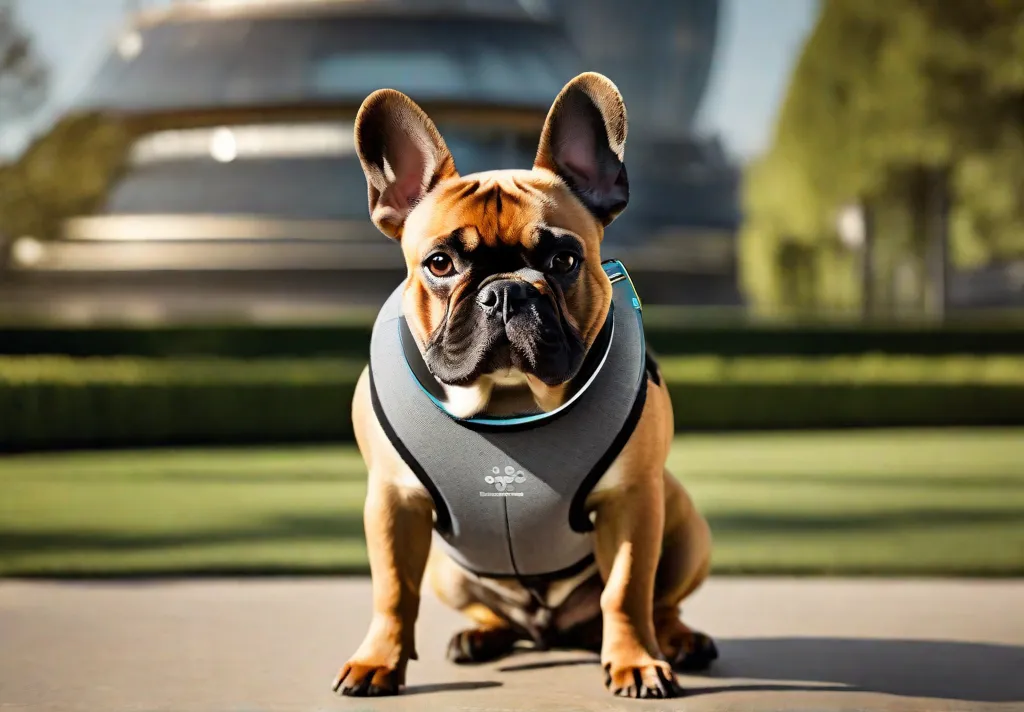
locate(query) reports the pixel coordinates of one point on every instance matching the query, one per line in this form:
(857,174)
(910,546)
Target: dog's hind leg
(482,644)
(494,636)
(683,567)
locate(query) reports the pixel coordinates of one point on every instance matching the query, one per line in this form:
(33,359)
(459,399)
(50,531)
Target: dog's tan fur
(652,547)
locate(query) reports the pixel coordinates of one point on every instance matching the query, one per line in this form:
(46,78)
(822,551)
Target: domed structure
(245,53)
(658,53)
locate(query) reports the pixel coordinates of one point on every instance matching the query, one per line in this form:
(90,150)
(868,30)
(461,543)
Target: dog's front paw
(368,678)
(643,678)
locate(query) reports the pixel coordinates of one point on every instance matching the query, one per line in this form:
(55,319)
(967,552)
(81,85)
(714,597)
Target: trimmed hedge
(666,335)
(242,342)
(824,341)
(845,392)
(56,402)
(701,407)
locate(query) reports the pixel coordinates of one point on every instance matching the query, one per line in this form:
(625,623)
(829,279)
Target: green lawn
(906,502)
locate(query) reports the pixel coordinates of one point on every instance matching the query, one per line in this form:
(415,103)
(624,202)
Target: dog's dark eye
(440,265)
(564,263)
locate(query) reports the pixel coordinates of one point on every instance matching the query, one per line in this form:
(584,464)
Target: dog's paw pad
(651,681)
(480,645)
(696,653)
(363,680)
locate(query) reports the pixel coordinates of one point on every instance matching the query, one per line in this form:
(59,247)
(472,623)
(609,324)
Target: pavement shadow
(691,691)
(449,687)
(544,664)
(969,672)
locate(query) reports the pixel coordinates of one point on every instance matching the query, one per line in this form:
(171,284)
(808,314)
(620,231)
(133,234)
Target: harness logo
(503,483)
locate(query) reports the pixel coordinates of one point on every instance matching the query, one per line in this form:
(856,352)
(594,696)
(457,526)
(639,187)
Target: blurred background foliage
(890,102)
(67,171)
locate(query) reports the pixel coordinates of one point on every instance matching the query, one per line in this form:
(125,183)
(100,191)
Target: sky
(758,45)
(759,41)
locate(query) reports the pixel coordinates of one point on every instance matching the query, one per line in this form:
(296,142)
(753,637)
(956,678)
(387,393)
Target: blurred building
(996,285)
(659,53)
(239,193)
(684,206)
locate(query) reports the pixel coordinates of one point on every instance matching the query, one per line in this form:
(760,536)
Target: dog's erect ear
(584,140)
(402,154)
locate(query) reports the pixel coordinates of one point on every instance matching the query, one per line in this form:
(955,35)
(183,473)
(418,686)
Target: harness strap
(510,494)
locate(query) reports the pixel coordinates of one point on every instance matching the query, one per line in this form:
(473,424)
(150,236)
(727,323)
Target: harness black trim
(579,520)
(443,517)
(529,579)
(651,364)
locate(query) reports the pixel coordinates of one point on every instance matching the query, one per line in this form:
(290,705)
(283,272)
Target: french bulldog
(505,297)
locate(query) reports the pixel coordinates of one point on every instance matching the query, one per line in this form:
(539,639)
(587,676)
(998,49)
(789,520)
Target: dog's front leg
(628,534)
(398,529)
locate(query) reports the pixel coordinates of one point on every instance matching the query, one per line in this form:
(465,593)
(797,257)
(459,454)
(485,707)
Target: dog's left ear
(402,154)
(584,141)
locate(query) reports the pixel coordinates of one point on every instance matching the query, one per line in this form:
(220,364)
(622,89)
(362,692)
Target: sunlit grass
(896,502)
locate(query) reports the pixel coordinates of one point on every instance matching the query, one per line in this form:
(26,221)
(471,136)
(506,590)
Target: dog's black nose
(503,298)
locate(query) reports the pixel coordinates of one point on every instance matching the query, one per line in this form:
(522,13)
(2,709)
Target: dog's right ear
(583,142)
(402,154)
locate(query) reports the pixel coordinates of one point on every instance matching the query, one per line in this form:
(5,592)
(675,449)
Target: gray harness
(509,493)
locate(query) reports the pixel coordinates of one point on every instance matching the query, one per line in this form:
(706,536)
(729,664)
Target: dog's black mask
(505,321)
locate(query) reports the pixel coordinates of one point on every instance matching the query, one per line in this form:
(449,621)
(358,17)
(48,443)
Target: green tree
(24,76)
(893,104)
(65,172)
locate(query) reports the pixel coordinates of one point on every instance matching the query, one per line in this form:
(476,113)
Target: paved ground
(250,646)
